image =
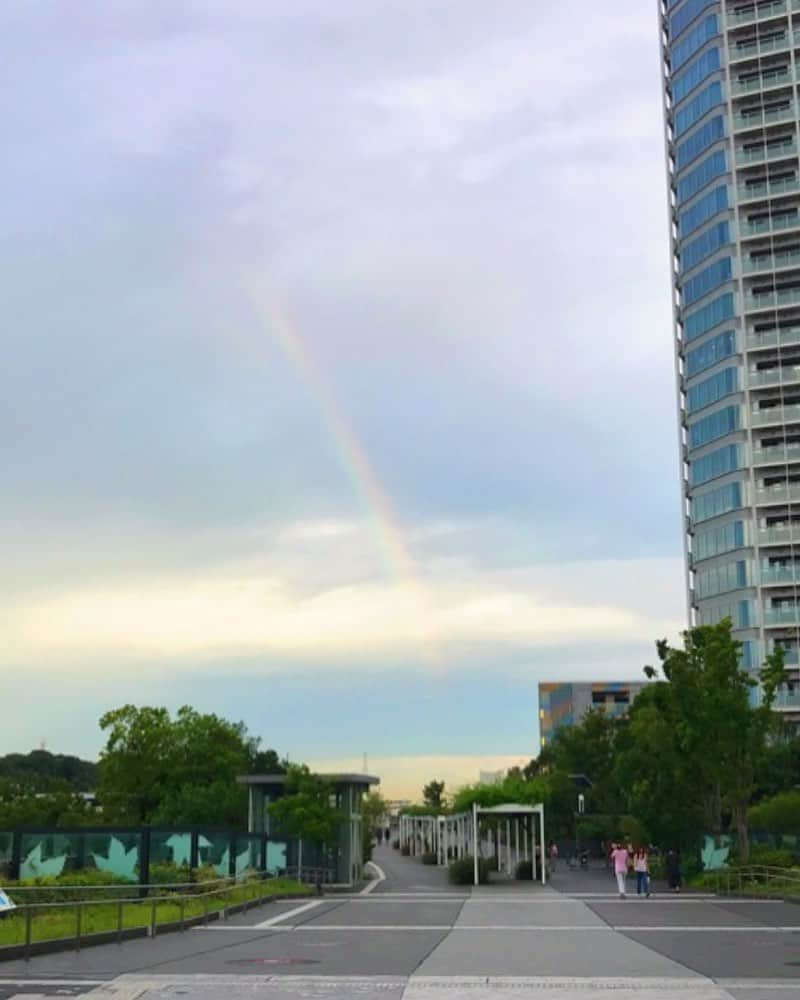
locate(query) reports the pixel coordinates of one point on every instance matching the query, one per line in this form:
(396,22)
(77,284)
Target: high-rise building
(565,703)
(731,72)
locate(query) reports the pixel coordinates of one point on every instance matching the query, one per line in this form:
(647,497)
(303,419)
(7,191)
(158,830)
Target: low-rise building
(564,703)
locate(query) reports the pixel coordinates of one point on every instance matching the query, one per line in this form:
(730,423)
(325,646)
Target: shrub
(429,858)
(524,871)
(88,884)
(405,850)
(772,858)
(167,873)
(492,864)
(462,872)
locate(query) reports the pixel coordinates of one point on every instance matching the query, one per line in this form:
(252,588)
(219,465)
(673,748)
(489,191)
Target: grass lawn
(49,922)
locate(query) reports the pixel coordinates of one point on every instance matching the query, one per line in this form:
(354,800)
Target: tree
(433,795)
(306,809)
(373,811)
(716,737)
(181,770)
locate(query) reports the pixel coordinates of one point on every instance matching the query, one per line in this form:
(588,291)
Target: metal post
(78,921)
(541,837)
(475,844)
(28,921)
(153,919)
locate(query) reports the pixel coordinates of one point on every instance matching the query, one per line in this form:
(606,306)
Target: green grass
(50,922)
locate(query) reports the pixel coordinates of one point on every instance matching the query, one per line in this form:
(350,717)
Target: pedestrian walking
(553,850)
(621,859)
(641,866)
(672,866)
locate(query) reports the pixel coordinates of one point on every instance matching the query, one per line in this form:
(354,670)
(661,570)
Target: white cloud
(252,609)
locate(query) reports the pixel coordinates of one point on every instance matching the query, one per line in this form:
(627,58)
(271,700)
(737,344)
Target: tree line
(701,751)
(155,768)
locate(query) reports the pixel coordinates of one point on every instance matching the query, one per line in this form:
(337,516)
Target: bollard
(183,913)
(78,921)
(153,919)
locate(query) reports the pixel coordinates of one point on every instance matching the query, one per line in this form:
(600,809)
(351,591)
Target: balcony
(781,616)
(778,453)
(774,376)
(771,262)
(763,47)
(763,154)
(767,80)
(776,415)
(780,574)
(760,118)
(754,301)
(785,337)
(757,192)
(779,493)
(775,223)
(787,700)
(751,15)
(779,535)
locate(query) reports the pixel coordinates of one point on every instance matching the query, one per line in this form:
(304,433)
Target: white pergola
(457,835)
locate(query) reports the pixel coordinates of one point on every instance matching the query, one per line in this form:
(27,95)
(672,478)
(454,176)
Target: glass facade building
(732,114)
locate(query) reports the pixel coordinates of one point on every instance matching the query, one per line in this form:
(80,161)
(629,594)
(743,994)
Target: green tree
(182,770)
(306,808)
(715,732)
(373,811)
(433,795)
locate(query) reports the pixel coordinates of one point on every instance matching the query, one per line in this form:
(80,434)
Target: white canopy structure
(514,838)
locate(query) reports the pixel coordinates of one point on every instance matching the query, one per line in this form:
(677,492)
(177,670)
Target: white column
(508,846)
(516,838)
(541,834)
(475,844)
(498,850)
(533,848)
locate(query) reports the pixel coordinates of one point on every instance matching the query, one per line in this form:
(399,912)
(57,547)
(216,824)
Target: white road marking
(50,982)
(370,886)
(281,917)
(560,928)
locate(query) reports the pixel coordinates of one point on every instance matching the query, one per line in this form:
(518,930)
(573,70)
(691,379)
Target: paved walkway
(411,936)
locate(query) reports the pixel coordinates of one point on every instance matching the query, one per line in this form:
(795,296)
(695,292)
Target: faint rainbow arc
(352,457)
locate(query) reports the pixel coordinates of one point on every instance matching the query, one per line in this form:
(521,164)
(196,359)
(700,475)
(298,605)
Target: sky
(337,386)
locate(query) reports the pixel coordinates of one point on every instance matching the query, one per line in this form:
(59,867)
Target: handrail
(248,889)
(736,880)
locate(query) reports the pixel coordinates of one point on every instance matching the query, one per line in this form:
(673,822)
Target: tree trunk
(742,830)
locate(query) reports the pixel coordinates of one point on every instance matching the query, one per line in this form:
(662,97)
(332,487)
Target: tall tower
(731,74)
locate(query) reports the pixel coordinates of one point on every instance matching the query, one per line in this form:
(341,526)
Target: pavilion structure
(516,835)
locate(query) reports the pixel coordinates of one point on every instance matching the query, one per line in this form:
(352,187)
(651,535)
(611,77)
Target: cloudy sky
(336,391)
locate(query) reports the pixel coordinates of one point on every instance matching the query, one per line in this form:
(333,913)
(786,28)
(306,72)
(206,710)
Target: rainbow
(353,459)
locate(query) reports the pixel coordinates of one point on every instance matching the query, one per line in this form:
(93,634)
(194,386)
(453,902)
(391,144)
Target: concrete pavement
(417,938)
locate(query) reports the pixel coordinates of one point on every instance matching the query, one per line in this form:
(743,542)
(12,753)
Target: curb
(15,951)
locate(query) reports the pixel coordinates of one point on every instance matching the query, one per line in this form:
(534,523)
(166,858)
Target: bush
(772,858)
(462,872)
(168,873)
(429,858)
(492,864)
(524,871)
(44,888)
(396,845)
(405,850)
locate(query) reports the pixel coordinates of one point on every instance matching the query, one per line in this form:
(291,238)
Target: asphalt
(412,936)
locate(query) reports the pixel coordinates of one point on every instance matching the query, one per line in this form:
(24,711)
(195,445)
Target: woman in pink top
(620,857)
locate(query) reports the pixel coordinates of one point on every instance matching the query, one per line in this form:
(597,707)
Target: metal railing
(196,903)
(758,880)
